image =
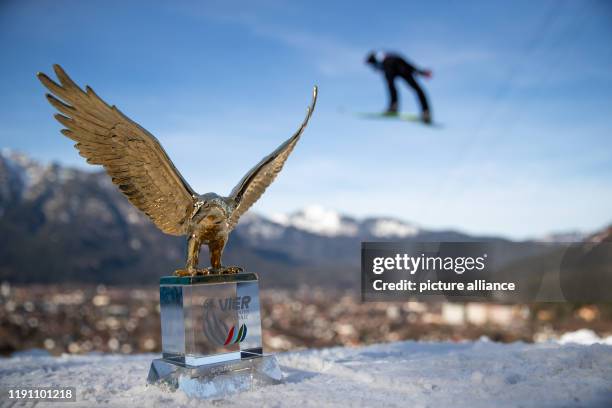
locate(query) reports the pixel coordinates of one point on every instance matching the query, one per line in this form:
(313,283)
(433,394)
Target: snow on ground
(407,374)
(584,336)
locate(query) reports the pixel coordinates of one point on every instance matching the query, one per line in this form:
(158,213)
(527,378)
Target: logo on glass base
(216,312)
(236,336)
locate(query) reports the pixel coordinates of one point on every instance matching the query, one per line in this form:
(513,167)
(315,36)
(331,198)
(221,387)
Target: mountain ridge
(60,224)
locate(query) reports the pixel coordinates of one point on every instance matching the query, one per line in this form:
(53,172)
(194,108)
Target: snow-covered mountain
(62,224)
(327,222)
(318,220)
(25,180)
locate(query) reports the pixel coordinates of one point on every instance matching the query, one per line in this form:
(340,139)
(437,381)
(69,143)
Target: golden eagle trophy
(210,318)
(139,166)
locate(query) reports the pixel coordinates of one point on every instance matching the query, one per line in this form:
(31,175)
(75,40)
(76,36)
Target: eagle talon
(182,272)
(193,272)
(230,270)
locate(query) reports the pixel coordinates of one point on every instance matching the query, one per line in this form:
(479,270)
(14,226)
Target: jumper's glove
(426,73)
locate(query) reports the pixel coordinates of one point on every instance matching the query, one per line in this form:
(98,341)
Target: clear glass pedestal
(211,336)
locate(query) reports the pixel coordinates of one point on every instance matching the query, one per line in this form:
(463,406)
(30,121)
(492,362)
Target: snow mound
(407,374)
(585,337)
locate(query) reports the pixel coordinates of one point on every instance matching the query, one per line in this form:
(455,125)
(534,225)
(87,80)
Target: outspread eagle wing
(255,182)
(132,157)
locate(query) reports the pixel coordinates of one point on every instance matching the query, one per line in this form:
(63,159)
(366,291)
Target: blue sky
(523,89)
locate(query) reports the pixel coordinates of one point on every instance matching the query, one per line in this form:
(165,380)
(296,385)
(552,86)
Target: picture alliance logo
(216,313)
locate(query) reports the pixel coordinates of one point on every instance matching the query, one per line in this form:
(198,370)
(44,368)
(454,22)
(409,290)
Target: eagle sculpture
(139,166)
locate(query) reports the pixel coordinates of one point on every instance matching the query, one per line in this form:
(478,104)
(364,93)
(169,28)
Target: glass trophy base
(211,336)
(215,380)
